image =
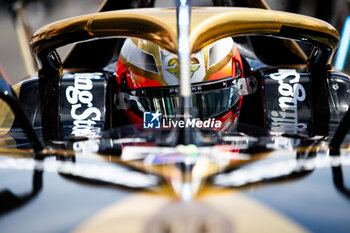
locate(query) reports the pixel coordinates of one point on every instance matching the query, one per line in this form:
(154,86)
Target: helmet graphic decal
(170,67)
(174,66)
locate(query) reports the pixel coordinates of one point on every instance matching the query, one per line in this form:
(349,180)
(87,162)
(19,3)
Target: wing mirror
(8,95)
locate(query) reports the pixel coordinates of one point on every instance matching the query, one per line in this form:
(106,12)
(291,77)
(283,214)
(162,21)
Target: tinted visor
(210,99)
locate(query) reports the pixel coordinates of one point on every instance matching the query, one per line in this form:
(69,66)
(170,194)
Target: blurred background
(38,13)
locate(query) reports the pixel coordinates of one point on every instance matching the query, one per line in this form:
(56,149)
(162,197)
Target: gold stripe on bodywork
(226,211)
(250,215)
(129,215)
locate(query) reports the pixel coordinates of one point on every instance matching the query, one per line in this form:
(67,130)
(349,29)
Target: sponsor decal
(152,120)
(84,113)
(284,118)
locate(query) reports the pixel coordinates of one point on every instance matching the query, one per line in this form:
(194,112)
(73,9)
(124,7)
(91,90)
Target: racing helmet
(148,81)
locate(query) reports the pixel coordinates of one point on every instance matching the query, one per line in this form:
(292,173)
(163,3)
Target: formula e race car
(228,118)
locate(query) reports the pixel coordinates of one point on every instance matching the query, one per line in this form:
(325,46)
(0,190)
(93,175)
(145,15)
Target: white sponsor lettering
(286,119)
(83,112)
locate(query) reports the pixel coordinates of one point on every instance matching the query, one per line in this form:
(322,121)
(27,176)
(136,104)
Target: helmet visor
(210,99)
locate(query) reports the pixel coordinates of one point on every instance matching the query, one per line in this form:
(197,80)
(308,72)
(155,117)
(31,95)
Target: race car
(186,119)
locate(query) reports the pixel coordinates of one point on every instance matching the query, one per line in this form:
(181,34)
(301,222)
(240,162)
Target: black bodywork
(72,113)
